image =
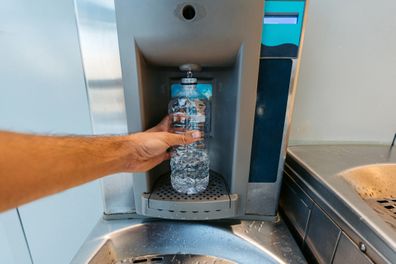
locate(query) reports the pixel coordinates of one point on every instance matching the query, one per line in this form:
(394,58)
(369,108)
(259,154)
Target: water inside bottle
(189,163)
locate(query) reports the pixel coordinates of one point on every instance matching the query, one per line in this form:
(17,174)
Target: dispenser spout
(190,67)
(189,74)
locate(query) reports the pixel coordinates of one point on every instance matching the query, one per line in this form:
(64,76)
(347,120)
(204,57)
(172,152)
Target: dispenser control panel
(280,42)
(280,19)
(282,24)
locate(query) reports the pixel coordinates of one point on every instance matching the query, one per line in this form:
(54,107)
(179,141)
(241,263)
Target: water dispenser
(132,51)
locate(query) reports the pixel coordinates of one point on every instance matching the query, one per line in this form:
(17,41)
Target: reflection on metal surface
(233,240)
(261,198)
(101,62)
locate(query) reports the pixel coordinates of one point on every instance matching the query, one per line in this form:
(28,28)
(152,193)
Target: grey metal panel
(263,198)
(101,61)
(322,236)
(150,52)
(212,39)
(348,252)
(296,205)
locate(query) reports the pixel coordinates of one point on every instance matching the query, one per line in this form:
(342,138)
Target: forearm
(36,166)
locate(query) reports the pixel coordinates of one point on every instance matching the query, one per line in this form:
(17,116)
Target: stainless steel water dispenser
(131,52)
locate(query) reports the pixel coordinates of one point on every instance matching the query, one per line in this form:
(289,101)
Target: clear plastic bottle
(189,110)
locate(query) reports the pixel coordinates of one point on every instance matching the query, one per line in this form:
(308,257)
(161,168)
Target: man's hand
(33,166)
(149,148)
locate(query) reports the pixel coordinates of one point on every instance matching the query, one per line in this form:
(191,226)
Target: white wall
(13,246)
(347,87)
(42,90)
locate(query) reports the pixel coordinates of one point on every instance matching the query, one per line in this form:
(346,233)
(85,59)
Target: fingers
(181,139)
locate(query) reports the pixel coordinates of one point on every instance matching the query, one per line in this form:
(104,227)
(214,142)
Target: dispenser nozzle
(190,67)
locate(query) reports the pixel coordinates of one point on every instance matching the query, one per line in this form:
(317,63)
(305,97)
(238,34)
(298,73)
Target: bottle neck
(189,87)
(189,84)
(189,80)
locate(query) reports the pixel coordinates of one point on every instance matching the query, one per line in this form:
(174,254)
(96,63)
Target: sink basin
(376,185)
(163,241)
(373,181)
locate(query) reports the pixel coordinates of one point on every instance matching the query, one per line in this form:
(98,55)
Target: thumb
(188,137)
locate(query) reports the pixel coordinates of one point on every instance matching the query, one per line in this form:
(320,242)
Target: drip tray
(214,203)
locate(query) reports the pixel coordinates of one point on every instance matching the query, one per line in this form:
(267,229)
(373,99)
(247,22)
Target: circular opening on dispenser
(188,12)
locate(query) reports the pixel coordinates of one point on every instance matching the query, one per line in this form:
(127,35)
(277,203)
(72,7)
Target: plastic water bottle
(188,110)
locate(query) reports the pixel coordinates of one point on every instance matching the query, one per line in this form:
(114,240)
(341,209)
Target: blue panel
(275,34)
(272,95)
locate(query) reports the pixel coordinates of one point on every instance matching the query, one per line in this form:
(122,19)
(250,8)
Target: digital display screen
(281,19)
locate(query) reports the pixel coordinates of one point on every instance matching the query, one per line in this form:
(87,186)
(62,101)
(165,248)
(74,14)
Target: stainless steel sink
(161,241)
(376,185)
(356,185)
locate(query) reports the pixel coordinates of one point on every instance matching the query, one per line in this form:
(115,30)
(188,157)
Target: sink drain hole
(388,204)
(157,259)
(140,260)
(174,258)
(386,207)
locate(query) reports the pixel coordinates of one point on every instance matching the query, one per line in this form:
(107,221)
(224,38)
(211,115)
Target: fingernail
(196,134)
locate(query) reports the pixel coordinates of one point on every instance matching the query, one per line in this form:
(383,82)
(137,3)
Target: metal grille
(174,258)
(217,190)
(386,208)
(214,203)
(389,204)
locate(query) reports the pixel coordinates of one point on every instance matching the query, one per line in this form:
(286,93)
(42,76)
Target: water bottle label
(202,88)
(182,118)
(197,118)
